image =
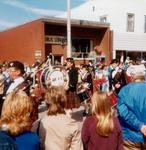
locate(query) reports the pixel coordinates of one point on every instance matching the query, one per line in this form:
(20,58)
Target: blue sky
(15,12)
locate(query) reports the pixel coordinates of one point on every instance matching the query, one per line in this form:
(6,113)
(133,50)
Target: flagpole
(68,29)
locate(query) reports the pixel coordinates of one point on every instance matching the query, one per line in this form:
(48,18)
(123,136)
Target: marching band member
(112,71)
(15,72)
(72,98)
(87,78)
(120,78)
(85,88)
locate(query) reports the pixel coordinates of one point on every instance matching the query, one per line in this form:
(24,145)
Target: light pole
(68,29)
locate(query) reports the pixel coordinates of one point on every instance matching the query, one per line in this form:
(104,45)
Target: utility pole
(68,29)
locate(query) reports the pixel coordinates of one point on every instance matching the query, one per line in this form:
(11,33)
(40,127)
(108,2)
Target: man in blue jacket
(132,110)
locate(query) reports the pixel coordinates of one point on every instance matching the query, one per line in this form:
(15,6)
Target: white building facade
(127,20)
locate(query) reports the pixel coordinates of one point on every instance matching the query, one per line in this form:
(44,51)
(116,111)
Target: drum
(43,77)
(113,99)
(57,76)
(82,91)
(83,95)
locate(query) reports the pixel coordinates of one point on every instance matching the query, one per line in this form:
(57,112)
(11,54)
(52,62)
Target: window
(145,24)
(81,47)
(130,22)
(93,8)
(103,19)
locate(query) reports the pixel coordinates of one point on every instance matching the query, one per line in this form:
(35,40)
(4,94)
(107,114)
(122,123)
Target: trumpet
(2,81)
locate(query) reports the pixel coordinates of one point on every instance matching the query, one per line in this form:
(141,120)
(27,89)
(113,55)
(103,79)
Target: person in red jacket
(101,130)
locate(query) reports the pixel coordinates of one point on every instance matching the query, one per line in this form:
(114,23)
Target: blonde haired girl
(101,130)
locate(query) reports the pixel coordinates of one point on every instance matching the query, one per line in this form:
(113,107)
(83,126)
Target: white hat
(136,70)
(143,61)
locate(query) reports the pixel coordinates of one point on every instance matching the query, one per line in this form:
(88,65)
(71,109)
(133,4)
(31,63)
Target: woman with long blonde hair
(101,130)
(16,119)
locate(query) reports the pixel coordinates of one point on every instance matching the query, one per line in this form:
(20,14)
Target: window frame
(130,28)
(103,18)
(144,23)
(80,53)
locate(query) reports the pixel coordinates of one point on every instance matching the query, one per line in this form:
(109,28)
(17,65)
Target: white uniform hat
(136,71)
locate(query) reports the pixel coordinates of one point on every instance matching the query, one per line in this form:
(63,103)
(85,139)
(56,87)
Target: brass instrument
(2,81)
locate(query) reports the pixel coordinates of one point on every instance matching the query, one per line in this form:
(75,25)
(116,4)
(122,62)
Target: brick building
(48,36)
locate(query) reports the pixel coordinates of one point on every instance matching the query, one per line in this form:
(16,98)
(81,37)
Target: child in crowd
(57,131)
(101,130)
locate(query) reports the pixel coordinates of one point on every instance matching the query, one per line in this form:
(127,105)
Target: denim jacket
(6,142)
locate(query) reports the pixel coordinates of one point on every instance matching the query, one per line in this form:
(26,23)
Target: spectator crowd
(113,98)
